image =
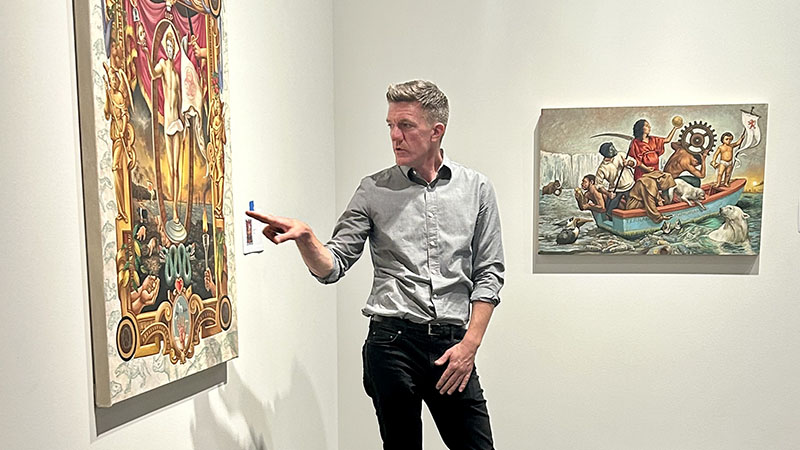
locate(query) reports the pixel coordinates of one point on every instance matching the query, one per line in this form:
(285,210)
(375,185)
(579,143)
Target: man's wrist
(305,236)
(472,341)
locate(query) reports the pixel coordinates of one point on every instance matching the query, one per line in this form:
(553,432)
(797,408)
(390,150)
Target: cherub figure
(725,165)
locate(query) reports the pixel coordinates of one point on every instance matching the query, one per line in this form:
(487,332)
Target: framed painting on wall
(157,190)
(678,180)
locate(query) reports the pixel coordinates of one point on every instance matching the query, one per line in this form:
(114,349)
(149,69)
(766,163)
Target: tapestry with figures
(157,190)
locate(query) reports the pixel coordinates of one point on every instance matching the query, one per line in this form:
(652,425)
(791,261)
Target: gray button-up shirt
(435,247)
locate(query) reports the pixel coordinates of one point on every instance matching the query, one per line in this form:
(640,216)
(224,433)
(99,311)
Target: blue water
(691,239)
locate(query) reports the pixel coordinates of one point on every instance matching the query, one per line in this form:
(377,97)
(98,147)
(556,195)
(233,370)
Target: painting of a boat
(634,223)
(650,180)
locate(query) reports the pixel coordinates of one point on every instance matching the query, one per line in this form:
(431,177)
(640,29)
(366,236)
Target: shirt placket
(432,242)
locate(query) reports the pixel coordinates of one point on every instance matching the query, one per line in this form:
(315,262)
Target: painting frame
(569,143)
(153,114)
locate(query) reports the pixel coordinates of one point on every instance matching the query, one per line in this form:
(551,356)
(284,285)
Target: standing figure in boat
(647,149)
(725,164)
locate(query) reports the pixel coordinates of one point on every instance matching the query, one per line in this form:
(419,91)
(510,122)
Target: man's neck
(430,168)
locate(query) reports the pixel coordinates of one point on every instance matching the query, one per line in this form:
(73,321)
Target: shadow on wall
(127,411)
(291,420)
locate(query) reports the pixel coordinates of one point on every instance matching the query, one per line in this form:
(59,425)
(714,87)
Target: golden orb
(677,121)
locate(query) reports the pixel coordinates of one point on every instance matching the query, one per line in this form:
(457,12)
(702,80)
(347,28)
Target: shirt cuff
(485,295)
(332,277)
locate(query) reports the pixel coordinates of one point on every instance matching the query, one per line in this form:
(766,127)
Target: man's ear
(438,131)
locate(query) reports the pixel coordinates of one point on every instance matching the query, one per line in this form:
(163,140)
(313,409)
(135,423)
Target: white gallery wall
(572,360)
(591,361)
(281,392)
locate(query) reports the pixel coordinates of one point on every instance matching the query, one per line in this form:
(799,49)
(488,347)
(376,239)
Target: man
(588,197)
(173,125)
(614,177)
(434,234)
(683,164)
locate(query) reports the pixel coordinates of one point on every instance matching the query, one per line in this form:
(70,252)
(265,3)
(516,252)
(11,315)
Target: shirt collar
(444,172)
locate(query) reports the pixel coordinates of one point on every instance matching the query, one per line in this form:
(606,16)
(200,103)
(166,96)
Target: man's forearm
(315,255)
(478,322)
(278,229)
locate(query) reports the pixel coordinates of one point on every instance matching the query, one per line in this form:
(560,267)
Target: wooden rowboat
(634,223)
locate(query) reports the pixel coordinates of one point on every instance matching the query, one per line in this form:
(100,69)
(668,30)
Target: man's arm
(282,229)
(155,71)
(597,202)
(460,358)
(702,172)
(329,262)
(488,277)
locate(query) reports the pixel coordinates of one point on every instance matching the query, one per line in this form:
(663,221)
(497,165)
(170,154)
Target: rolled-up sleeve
(488,267)
(349,236)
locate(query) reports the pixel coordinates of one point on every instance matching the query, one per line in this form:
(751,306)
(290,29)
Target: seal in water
(570,232)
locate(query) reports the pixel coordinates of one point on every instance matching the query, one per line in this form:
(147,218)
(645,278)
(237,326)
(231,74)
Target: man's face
(585,184)
(727,140)
(414,139)
(170,49)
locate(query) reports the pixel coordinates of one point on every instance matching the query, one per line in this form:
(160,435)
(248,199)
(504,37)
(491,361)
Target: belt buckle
(430,329)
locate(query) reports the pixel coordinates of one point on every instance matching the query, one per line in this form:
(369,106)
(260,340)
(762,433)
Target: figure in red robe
(647,149)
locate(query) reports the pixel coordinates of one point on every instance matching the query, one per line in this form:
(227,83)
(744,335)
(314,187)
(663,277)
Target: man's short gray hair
(433,101)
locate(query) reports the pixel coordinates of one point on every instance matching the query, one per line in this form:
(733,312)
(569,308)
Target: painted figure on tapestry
(117,111)
(659,196)
(172,125)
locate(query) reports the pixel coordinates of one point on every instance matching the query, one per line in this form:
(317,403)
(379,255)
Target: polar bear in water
(734,229)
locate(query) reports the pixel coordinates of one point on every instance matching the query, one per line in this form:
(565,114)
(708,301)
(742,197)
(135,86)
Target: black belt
(430,328)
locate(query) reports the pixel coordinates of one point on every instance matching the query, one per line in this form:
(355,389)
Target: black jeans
(399,374)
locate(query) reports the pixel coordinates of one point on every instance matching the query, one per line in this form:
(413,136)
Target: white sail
(751,129)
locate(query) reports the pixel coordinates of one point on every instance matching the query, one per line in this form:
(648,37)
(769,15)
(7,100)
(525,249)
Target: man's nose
(396,134)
